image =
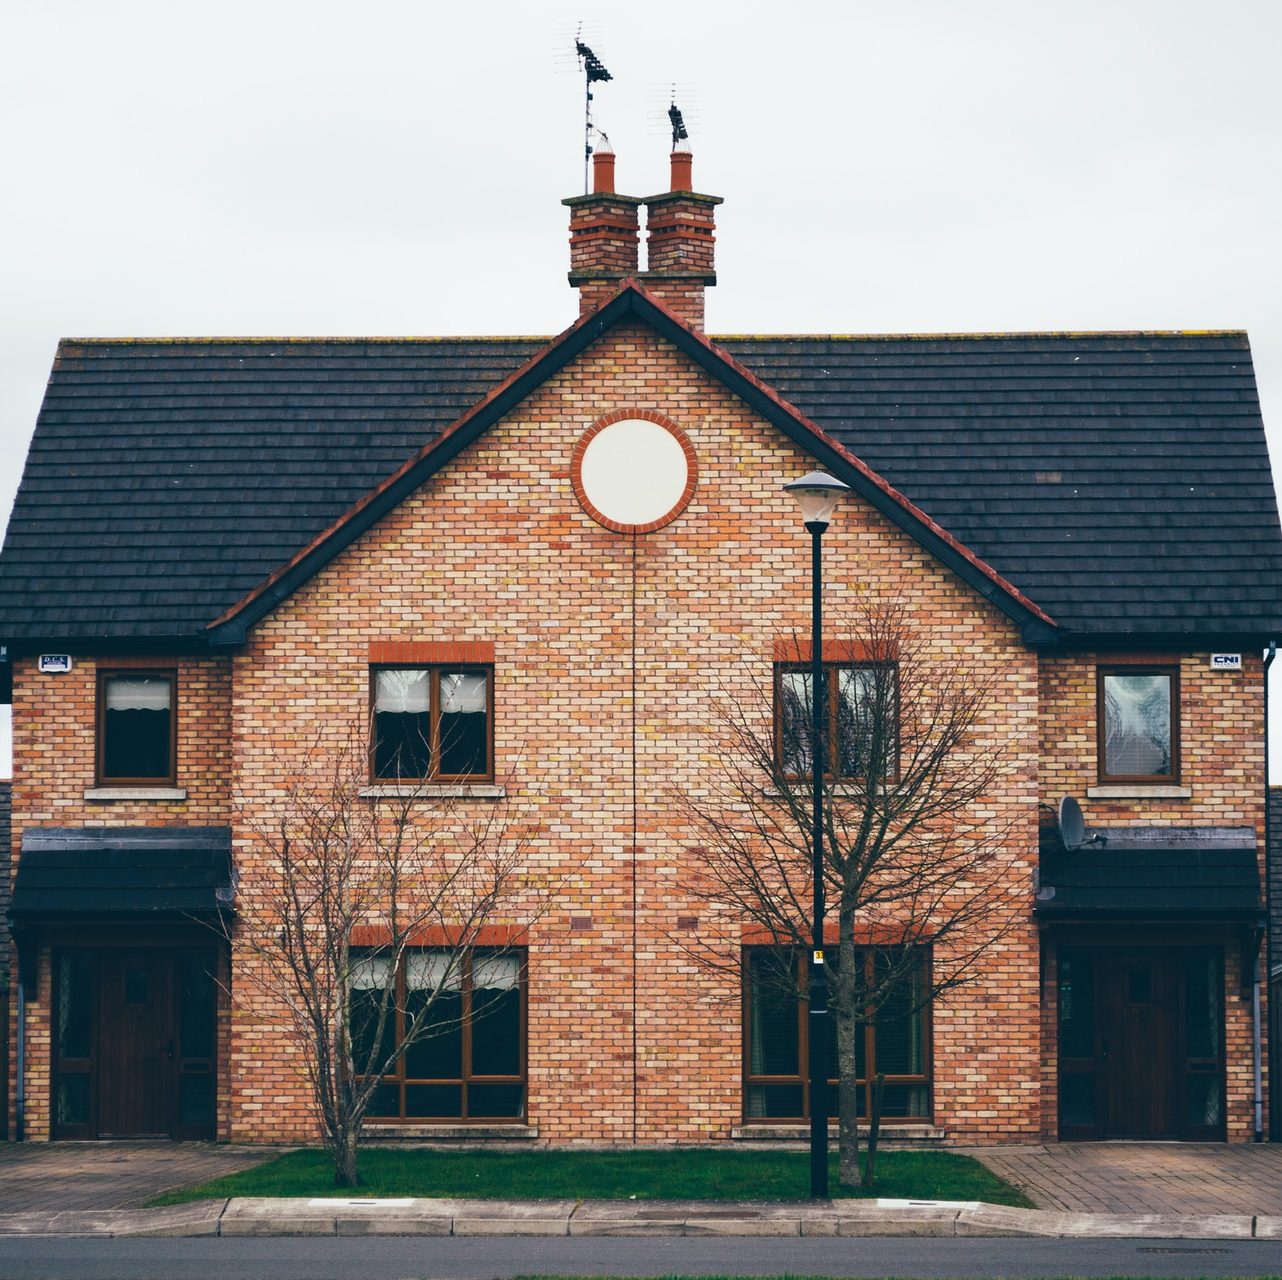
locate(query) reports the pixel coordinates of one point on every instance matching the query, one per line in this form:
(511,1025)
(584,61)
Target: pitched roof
(631,301)
(1119,480)
(72,871)
(1159,873)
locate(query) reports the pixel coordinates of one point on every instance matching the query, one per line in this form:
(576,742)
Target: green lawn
(690,1173)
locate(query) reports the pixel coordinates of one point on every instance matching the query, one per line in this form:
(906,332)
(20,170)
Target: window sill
(105,795)
(841,789)
(1138,791)
(433,791)
(921,1131)
(434,1132)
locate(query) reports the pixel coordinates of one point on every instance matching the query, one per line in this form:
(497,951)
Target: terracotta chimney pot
(682,171)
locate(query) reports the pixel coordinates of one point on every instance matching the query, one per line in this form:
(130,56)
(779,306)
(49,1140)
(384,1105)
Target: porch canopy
(92,873)
(1161,874)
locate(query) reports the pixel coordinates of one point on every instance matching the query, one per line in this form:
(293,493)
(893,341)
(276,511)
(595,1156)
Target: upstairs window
(861,719)
(136,721)
(432,723)
(1139,724)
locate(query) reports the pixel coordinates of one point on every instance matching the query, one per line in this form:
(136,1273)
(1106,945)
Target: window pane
(775,1102)
(402,745)
(502,1101)
(196,1013)
(433,1101)
(1137,726)
(196,1100)
(773,1048)
(75,1005)
(899,1024)
(496,1031)
(1202,1107)
(439,1055)
(367,981)
(857,700)
(1076,1006)
(136,726)
(1202,985)
(1077,1101)
(71,1103)
(385,1101)
(464,717)
(794,722)
(904,1101)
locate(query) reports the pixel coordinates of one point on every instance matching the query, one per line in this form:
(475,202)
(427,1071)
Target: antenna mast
(593,71)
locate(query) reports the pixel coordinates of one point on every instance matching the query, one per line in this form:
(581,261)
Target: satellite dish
(1072,826)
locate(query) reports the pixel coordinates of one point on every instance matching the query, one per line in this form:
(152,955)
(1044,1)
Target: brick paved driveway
(110,1175)
(1143,1177)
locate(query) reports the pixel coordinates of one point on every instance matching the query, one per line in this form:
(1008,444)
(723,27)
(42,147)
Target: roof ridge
(964,335)
(427,339)
(230,339)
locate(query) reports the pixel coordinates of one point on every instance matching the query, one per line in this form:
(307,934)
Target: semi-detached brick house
(241,544)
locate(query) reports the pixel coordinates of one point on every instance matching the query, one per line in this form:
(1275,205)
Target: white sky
(393,167)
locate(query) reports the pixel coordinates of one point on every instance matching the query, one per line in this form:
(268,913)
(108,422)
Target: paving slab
(112,1175)
(1141,1178)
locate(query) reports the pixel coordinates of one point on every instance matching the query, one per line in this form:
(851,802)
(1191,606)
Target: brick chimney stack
(680,244)
(604,236)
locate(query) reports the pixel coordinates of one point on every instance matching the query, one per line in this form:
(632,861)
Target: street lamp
(817,494)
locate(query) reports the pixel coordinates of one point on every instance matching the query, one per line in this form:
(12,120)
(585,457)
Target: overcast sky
(388,167)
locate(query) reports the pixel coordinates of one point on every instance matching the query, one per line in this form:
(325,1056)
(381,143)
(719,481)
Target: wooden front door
(1141,1042)
(136,1044)
(1139,1047)
(135,1035)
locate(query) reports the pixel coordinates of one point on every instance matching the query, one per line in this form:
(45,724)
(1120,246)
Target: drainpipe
(21,1108)
(1268,918)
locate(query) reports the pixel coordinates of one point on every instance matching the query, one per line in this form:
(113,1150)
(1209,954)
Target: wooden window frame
(467,1077)
(923,1079)
(100,753)
(832,684)
(435,670)
(1172,671)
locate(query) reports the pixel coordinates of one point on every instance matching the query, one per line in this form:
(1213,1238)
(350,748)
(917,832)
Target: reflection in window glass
(1137,726)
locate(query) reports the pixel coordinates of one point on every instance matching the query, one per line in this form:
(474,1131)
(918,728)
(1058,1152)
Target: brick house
(225,549)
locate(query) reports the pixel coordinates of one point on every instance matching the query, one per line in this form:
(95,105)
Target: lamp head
(817,494)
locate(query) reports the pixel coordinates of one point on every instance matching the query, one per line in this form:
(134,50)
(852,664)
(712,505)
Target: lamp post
(817,494)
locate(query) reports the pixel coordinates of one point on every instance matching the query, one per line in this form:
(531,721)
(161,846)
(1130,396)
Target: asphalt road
(403,1258)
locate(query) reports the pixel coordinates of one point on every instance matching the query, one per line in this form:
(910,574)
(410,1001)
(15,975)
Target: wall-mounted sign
(55,663)
(1226,662)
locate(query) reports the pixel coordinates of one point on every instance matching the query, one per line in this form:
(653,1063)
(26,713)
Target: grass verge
(684,1174)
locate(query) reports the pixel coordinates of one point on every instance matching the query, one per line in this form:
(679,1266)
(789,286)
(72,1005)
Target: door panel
(136,1048)
(1139,1045)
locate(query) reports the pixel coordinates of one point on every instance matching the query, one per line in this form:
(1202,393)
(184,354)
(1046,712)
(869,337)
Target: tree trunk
(841,1000)
(875,1090)
(345,1172)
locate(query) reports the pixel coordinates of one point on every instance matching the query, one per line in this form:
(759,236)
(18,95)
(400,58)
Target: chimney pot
(603,171)
(682,171)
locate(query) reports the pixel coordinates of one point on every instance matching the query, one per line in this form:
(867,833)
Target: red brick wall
(609,650)
(55,727)
(1221,769)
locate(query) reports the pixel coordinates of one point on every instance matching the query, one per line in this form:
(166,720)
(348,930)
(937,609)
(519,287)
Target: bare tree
(912,832)
(343,888)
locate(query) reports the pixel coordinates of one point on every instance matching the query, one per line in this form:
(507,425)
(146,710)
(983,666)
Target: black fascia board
(627,303)
(88,645)
(1174,642)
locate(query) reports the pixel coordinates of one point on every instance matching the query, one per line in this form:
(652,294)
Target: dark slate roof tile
(206,464)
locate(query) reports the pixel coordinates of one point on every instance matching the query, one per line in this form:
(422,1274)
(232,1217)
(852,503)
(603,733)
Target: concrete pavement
(370,1217)
(1153,1190)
